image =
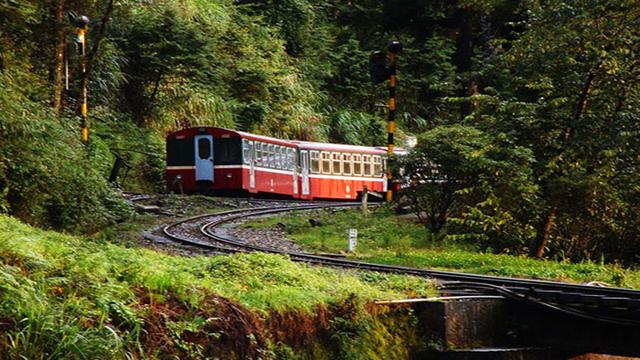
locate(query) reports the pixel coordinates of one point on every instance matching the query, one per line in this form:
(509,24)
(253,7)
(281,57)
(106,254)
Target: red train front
(208,159)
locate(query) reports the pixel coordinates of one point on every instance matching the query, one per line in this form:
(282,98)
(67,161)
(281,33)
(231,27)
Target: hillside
(72,297)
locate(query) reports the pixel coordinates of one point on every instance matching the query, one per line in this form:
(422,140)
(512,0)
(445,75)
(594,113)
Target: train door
(252,165)
(304,171)
(204,157)
(291,156)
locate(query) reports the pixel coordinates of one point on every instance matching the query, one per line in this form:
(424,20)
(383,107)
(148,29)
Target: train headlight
(229,175)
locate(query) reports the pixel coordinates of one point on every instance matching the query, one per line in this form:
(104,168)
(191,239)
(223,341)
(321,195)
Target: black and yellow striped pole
(82,26)
(393,49)
(381,72)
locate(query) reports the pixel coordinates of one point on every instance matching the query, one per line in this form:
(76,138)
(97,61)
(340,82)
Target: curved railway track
(610,305)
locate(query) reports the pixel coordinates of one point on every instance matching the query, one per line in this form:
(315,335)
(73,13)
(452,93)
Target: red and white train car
(227,161)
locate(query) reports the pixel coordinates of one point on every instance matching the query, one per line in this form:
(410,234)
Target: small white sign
(353,239)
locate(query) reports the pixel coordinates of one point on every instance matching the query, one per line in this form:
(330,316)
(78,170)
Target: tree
(459,172)
(571,96)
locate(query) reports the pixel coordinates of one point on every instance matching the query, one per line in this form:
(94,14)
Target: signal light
(81,21)
(378,67)
(394,47)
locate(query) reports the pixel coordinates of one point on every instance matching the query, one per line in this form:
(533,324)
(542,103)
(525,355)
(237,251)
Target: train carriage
(337,171)
(208,159)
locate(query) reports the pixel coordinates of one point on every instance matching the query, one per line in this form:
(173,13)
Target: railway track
(603,304)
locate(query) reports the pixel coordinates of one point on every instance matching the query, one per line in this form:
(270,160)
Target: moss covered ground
(73,297)
(386,238)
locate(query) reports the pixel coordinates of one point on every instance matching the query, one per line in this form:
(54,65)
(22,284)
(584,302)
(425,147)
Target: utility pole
(82,26)
(381,72)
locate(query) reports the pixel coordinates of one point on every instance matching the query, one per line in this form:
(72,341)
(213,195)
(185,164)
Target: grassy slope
(74,297)
(385,238)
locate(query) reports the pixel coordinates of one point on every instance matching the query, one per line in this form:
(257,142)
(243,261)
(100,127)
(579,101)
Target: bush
(466,184)
(47,177)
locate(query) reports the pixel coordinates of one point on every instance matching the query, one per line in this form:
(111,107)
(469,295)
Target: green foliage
(159,46)
(46,176)
(292,18)
(385,238)
(359,335)
(79,297)
(374,232)
(357,128)
(461,181)
(554,83)
(568,89)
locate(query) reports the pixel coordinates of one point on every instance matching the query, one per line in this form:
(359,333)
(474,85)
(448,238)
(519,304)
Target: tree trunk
(115,170)
(464,54)
(536,249)
(581,105)
(58,90)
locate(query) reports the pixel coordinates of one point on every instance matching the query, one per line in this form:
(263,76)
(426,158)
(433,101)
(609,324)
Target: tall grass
(70,297)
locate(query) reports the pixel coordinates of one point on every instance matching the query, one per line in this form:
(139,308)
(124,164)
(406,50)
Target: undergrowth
(71,297)
(386,238)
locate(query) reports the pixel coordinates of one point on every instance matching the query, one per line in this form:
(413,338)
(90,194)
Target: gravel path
(274,238)
(155,239)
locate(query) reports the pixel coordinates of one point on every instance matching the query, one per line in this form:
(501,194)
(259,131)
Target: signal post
(393,49)
(82,26)
(381,72)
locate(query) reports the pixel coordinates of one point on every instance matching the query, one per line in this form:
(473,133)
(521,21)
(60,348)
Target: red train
(227,161)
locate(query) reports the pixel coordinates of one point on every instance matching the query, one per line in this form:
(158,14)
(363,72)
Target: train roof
(310,145)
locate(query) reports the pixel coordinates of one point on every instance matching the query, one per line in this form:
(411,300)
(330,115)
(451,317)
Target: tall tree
(573,83)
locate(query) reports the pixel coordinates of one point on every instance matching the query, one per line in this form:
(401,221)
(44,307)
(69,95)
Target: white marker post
(353,239)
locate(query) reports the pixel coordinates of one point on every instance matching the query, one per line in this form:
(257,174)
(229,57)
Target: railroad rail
(617,306)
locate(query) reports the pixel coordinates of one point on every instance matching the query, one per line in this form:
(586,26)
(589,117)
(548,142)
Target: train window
(180,152)
(246,151)
(315,162)
(204,148)
(264,156)
(271,156)
(337,168)
(357,165)
(346,164)
(227,151)
(377,165)
(257,148)
(280,160)
(291,159)
(366,165)
(294,159)
(276,157)
(326,162)
(285,158)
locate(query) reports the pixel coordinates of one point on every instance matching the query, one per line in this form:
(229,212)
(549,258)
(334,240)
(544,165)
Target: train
(224,161)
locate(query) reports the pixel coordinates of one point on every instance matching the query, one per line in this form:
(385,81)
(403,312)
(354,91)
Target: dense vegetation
(532,107)
(387,239)
(527,118)
(77,298)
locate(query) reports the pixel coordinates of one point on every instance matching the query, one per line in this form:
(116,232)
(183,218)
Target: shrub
(47,177)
